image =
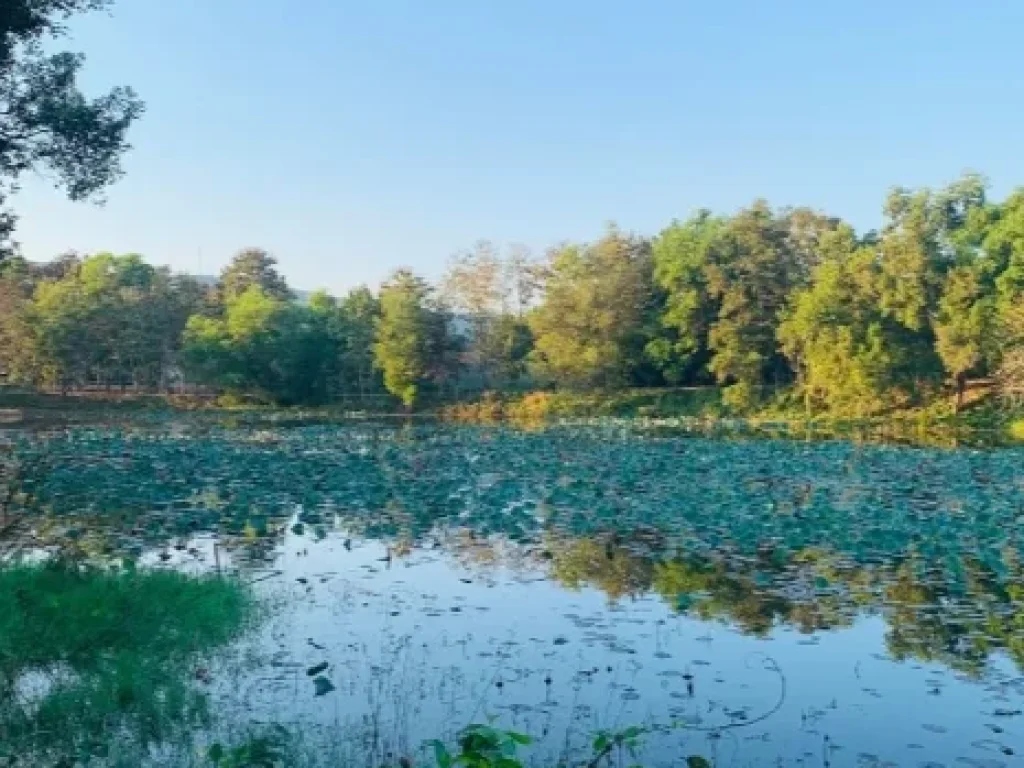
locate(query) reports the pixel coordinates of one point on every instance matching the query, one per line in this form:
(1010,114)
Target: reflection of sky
(424,645)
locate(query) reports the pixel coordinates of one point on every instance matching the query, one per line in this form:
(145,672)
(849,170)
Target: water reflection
(573,580)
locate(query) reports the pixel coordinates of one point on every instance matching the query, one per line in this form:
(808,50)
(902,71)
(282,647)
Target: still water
(754,602)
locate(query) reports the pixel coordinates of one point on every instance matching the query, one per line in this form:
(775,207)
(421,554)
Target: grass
(110,655)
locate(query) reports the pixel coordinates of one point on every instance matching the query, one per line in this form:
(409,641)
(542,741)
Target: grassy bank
(780,410)
(101,665)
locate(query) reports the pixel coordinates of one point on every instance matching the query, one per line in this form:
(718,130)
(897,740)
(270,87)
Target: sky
(350,138)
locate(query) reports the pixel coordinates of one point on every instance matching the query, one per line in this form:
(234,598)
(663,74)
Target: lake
(755,602)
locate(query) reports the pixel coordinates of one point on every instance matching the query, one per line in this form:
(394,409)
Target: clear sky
(352,137)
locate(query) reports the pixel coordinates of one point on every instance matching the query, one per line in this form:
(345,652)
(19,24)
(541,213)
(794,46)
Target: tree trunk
(960,386)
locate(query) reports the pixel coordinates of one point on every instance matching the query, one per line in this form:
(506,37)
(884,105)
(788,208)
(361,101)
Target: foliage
(482,746)
(681,254)
(46,123)
(1010,374)
(282,351)
(754,302)
(489,295)
(355,327)
(588,330)
(964,325)
(753,267)
(108,320)
(253,267)
(115,646)
(263,750)
(403,336)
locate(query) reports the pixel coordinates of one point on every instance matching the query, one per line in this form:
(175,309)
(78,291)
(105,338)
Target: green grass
(113,654)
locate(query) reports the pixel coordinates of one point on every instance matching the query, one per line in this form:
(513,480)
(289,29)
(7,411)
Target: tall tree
(359,311)
(755,262)
(681,258)
(488,294)
(963,326)
(278,350)
(589,330)
(109,320)
(403,335)
(849,355)
(46,123)
(253,267)
(1003,245)
(1010,373)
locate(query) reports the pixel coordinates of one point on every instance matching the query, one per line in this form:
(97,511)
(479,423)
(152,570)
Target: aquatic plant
(91,659)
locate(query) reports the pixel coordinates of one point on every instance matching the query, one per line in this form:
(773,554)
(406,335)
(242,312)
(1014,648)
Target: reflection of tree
(712,592)
(956,615)
(604,564)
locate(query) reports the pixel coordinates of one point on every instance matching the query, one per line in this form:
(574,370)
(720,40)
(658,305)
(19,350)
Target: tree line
(763,297)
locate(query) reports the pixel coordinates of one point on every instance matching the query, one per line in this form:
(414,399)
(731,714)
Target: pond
(750,601)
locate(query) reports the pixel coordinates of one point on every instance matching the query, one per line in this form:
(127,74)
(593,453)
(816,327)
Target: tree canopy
(46,123)
(761,299)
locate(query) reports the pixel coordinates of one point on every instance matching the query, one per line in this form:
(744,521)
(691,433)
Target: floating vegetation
(569,581)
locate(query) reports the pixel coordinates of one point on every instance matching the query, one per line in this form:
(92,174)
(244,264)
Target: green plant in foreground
(482,746)
(263,751)
(115,651)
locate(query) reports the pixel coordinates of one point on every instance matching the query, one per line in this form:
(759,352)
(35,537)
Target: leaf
(322,686)
(316,669)
(520,738)
(215,752)
(696,761)
(442,756)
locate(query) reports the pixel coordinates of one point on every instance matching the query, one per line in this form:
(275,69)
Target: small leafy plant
(266,750)
(482,746)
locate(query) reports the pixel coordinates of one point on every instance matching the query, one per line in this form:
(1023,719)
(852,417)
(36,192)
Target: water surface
(752,601)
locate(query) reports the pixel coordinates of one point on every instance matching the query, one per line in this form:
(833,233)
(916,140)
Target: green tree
(1010,373)
(681,257)
(253,267)
(590,328)
(403,335)
(359,312)
(849,356)
(963,326)
(110,320)
(46,124)
(1004,246)
(754,264)
(275,349)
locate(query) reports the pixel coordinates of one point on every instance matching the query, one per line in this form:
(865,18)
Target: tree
(47,124)
(848,354)
(359,312)
(1010,373)
(681,256)
(963,326)
(403,333)
(753,266)
(253,267)
(589,330)
(112,320)
(1003,245)
(278,350)
(488,295)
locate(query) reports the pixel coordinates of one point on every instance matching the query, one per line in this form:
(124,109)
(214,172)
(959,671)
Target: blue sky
(351,138)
